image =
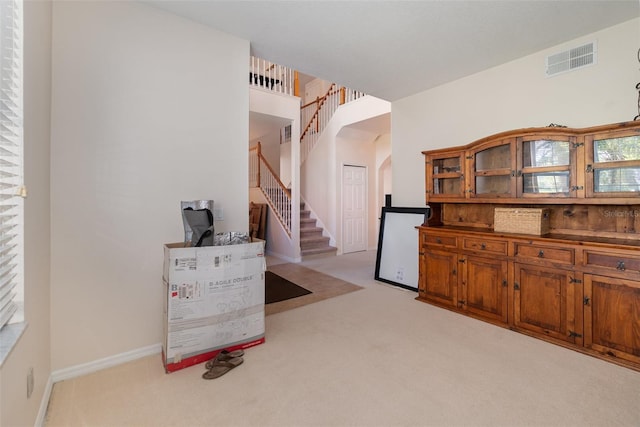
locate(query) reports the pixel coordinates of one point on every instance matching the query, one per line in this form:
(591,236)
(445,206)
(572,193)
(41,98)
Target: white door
(354,211)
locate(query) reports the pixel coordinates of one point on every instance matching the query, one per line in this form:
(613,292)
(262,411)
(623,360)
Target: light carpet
(375,357)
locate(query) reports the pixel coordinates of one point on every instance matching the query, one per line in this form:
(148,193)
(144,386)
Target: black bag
(201,223)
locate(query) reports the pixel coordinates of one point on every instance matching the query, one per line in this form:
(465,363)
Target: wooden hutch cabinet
(577,285)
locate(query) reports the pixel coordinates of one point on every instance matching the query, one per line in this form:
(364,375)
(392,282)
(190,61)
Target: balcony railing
(267,75)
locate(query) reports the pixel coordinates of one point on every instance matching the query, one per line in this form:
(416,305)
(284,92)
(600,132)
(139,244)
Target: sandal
(221,367)
(224,355)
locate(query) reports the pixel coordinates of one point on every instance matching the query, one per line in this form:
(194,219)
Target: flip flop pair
(223,363)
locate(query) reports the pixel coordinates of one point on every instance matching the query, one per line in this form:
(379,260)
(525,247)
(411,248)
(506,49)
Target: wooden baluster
(317,109)
(259,152)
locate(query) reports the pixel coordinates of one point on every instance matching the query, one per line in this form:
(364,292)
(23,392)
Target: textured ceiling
(393,49)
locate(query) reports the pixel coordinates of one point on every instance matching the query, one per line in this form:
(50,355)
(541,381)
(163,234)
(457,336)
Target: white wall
(514,95)
(315,89)
(321,175)
(269,147)
(285,163)
(286,107)
(148,109)
(383,176)
(357,153)
(33,348)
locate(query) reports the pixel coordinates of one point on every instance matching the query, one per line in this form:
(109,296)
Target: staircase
(314,117)
(312,242)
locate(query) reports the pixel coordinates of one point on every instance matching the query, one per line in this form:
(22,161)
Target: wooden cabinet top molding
(595,165)
(549,130)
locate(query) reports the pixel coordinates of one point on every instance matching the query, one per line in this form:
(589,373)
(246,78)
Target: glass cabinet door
(613,165)
(493,170)
(546,167)
(445,177)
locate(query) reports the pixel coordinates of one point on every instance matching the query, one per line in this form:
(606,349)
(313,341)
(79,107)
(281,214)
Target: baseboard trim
(44,404)
(107,362)
(283,257)
(87,368)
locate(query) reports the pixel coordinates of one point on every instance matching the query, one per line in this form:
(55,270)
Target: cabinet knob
(541,254)
(438,240)
(483,246)
(620,266)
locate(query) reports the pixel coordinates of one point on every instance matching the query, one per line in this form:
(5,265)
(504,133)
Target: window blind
(11,154)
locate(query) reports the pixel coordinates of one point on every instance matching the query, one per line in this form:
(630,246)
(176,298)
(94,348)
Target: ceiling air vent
(572,59)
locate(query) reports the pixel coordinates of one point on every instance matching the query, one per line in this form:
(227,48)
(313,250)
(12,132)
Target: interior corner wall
(320,175)
(285,107)
(511,96)
(383,180)
(357,153)
(270,148)
(34,347)
(148,109)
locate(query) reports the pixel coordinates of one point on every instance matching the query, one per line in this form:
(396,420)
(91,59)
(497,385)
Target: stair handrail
(326,107)
(254,165)
(319,102)
(278,196)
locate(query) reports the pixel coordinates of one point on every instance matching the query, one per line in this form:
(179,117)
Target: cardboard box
(521,220)
(214,300)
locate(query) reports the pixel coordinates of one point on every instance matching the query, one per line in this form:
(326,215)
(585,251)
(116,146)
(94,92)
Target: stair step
(310,232)
(328,251)
(314,243)
(307,222)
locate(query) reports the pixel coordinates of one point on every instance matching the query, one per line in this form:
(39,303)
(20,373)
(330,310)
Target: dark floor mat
(280,289)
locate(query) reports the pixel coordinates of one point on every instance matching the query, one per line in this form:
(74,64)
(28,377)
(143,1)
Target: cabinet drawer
(613,260)
(526,251)
(440,240)
(491,246)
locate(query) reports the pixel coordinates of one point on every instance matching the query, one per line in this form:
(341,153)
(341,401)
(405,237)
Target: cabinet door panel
(613,164)
(493,170)
(548,302)
(441,277)
(546,166)
(484,289)
(612,316)
(445,176)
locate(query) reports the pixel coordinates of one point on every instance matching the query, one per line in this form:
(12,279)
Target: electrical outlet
(218,214)
(30,382)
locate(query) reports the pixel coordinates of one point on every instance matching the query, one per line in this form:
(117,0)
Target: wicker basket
(521,220)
